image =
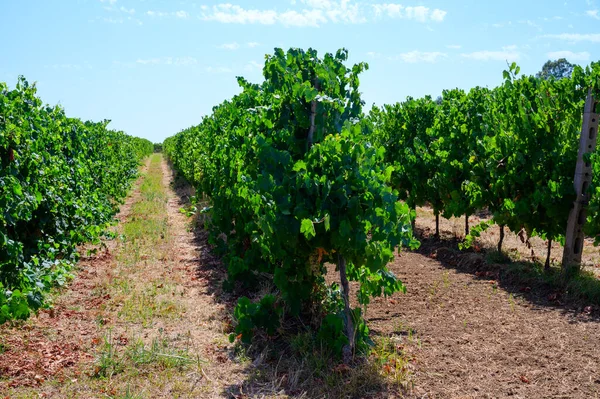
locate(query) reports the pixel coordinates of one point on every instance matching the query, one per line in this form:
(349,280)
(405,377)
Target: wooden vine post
(583,178)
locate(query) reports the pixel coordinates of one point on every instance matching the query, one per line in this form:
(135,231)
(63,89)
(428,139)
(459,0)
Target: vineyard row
(61,181)
(299,177)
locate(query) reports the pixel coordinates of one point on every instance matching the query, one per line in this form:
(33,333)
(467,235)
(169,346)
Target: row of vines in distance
(61,180)
(511,150)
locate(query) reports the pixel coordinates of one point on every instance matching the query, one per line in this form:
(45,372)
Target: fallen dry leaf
(341,368)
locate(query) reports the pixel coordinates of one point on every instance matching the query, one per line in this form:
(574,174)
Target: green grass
(142,307)
(141,300)
(160,353)
(108,360)
(128,394)
(147,226)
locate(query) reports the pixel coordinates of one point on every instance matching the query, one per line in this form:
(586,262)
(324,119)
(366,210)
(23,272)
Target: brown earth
(475,334)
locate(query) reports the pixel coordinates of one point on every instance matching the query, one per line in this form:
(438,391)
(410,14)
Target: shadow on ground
(578,297)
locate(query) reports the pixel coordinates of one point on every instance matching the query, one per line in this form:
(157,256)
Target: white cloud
(529,22)
(411,57)
(161,14)
(508,53)
(438,15)
(418,13)
(391,10)
(229,46)
(111,20)
(341,11)
(593,14)
(576,37)
(318,12)
(304,18)
(253,44)
(178,61)
(454,46)
(114,9)
(233,14)
(156,14)
(254,66)
(152,61)
(582,56)
(554,18)
(338,11)
(118,18)
(415,56)
(127,11)
(186,61)
(316,16)
(327,4)
(217,69)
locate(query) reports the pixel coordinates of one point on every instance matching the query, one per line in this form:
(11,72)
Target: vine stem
(348,350)
(547,264)
(501,238)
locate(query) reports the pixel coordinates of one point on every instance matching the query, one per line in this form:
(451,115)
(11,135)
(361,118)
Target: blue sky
(155,67)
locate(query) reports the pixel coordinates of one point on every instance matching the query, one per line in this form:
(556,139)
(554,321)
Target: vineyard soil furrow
(474,339)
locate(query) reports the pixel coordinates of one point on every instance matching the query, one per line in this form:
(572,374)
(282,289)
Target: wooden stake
(574,236)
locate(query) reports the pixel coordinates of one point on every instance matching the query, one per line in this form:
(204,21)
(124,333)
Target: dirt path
(205,316)
(472,339)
